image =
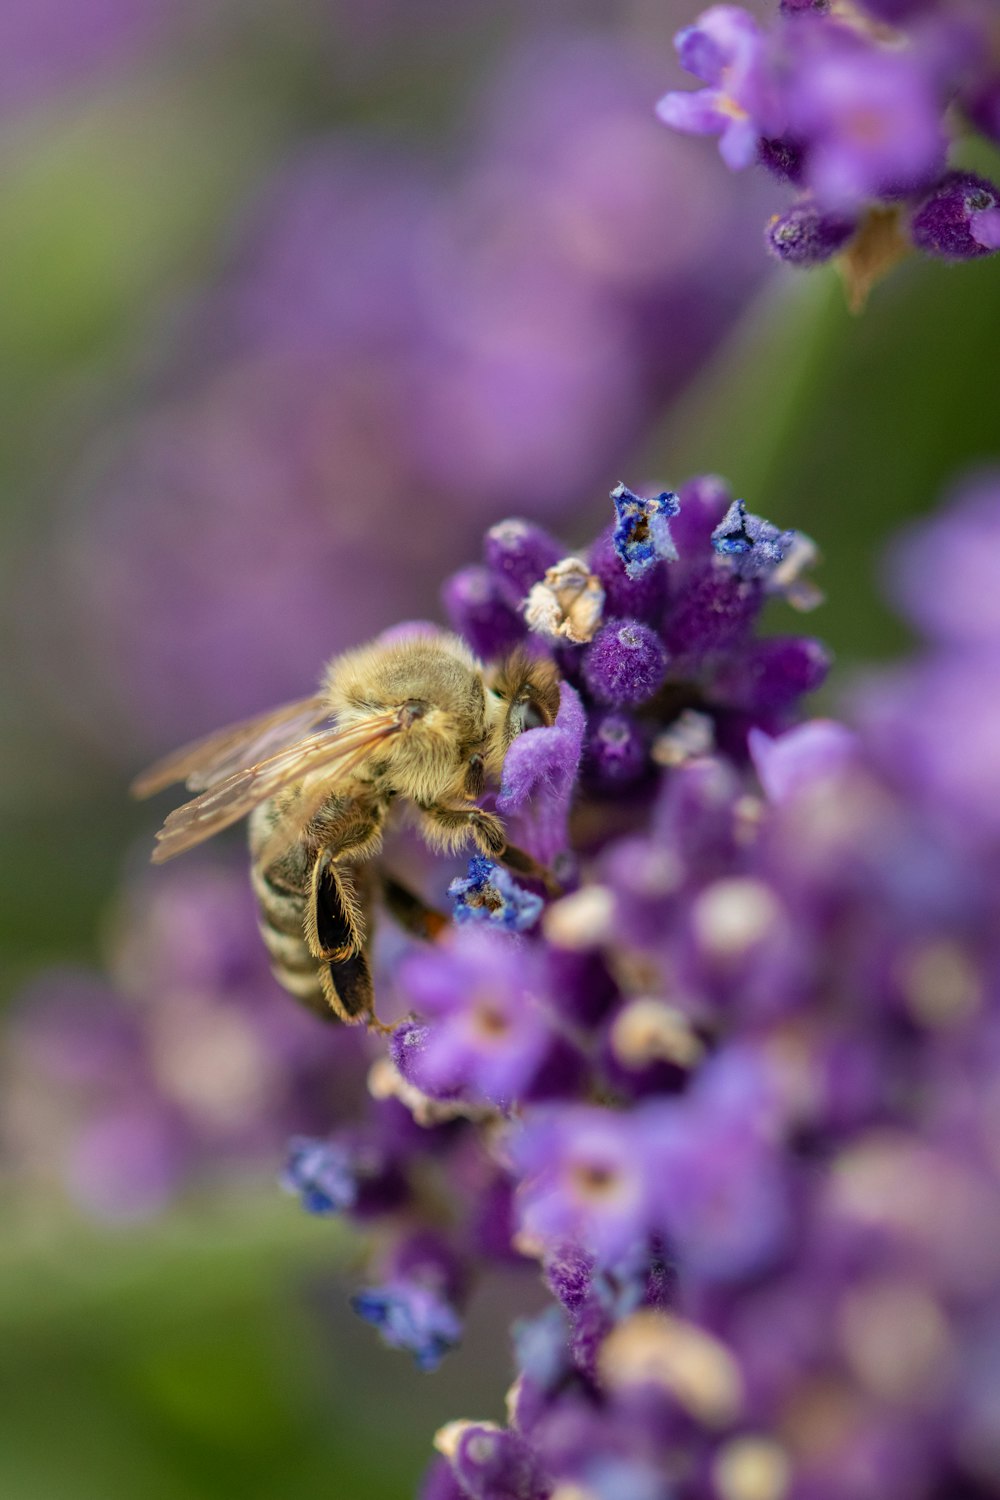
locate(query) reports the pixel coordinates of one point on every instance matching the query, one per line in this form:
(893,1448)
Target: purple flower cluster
(735,1091)
(853,105)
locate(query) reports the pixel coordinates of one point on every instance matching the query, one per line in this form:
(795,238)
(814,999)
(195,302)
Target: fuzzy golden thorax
(451,716)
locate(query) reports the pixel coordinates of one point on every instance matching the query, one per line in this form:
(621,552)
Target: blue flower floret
(642,532)
(754,546)
(490,894)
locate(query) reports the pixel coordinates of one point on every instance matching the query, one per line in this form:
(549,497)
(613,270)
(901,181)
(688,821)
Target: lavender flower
(726,50)
(487,1028)
(761,1177)
(855,115)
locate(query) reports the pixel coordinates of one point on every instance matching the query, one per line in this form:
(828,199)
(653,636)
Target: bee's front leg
(449,828)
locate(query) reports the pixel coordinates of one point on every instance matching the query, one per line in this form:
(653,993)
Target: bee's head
(526,693)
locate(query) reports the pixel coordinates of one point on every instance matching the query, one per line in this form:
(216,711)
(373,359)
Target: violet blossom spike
(642,532)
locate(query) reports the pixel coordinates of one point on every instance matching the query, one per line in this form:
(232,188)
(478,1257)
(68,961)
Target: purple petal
(985,228)
(696,113)
(738,146)
(538,779)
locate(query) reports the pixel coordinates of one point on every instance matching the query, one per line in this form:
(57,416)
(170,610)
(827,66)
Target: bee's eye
(526,714)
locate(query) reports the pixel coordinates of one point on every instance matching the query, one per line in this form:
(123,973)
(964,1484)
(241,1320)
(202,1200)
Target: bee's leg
(525,864)
(448,828)
(335,933)
(411,911)
(335,926)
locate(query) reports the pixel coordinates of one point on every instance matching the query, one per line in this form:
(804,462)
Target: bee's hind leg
(335,934)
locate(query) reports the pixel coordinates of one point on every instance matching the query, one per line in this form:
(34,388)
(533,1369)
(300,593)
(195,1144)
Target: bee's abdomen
(282,927)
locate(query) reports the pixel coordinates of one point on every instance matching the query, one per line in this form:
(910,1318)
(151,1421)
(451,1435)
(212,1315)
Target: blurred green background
(209,1354)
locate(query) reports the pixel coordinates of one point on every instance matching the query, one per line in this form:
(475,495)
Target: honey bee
(416,718)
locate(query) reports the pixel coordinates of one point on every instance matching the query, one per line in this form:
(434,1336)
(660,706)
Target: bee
(416,718)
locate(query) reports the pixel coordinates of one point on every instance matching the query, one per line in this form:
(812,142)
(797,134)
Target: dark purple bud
(642,531)
(695,819)
(800,7)
(491,1464)
(639,598)
(805,236)
(519,554)
(704,501)
(625,663)
(581,984)
(476,608)
(714,610)
(782,158)
(943,224)
(617,751)
(770,676)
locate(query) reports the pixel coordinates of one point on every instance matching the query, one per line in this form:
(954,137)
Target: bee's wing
(332,754)
(207,761)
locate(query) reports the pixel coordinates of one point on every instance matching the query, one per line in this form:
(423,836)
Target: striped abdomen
(282,919)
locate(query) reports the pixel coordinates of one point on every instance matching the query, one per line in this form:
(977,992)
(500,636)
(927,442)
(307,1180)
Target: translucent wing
(332,753)
(207,761)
